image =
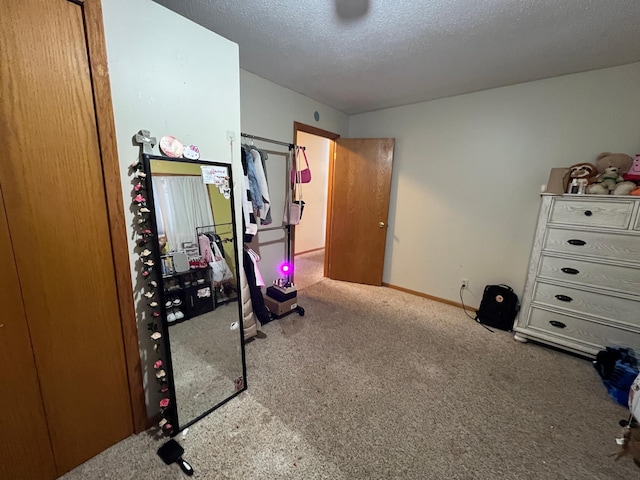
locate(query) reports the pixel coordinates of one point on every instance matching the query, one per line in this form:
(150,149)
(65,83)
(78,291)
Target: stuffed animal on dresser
(581,175)
(587,171)
(633,175)
(610,180)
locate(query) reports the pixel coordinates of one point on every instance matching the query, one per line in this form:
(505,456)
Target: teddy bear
(611,168)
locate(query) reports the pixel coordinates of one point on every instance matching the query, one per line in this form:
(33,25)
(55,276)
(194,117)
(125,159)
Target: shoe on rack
(171,317)
(168,303)
(179,315)
(177,302)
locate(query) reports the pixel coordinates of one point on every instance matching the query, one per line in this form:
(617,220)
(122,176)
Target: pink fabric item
(255,258)
(205,248)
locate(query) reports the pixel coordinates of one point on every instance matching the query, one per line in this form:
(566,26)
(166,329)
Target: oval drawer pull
(564,298)
(570,271)
(576,242)
(557,324)
(588,213)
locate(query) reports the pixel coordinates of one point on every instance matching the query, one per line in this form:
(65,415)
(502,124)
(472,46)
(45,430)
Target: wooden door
(54,194)
(24,435)
(358,209)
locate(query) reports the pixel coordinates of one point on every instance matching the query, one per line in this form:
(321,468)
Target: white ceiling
(363,55)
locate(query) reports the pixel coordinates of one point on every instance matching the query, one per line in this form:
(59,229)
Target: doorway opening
(309,238)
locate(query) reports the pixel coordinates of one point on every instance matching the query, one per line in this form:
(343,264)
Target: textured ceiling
(363,55)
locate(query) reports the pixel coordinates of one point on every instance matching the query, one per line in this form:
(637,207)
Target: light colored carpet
(309,269)
(373,383)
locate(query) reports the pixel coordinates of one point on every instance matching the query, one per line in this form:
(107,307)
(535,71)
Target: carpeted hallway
(373,383)
(309,269)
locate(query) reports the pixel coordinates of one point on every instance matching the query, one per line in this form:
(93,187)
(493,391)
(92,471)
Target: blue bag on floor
(618,368)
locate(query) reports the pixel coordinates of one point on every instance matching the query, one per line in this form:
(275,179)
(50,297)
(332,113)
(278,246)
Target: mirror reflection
(196,249)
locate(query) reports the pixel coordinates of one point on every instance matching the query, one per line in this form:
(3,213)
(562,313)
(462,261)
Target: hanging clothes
(220,271)
(263,158)
(257,300)
(262,184)
(254,185)
(255,258)
(218,241)
(249,222)
(205,248)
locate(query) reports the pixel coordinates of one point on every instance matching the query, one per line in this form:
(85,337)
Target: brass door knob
(381,224)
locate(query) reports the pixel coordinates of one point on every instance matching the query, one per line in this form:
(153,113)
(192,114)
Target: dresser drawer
(612,277)
(608,214)
(625,248)
(613,309)
(572,328)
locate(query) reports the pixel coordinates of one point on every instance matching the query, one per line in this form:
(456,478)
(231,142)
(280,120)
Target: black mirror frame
(171,413)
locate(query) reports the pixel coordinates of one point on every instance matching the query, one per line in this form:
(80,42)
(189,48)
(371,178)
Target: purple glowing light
(286,268)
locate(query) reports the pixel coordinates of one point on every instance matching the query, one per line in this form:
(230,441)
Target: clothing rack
(287,193)
(289,156)
(290,146)
(210,228)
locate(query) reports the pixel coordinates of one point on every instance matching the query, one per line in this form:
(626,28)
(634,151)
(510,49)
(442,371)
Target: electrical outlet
(464,283)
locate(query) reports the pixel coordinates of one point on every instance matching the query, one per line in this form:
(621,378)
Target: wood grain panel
(594,336)
(598,245)
(615,278)
(111,172)
(56,209)
(611,214)
(24,435)
(360,201)
(616,310)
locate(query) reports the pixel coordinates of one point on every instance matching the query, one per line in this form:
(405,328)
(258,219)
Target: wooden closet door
(24,435)
(53,186)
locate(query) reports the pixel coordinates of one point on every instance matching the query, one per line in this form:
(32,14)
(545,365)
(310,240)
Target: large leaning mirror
(192,212)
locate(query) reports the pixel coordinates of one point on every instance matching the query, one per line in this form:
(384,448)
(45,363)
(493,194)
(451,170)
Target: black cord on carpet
(465,311)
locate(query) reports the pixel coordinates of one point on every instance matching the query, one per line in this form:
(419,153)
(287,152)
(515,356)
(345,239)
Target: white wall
(311,233)
(269,110)
(468,170)
(170,76)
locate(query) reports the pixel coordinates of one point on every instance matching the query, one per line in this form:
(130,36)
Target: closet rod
(291,146)
(283,227)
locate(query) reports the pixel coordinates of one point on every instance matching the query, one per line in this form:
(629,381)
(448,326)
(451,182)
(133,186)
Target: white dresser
(583,285)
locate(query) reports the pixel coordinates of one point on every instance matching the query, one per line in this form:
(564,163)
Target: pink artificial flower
(164,403)
(138,187)
(139,199)
(158,364)
(164,389)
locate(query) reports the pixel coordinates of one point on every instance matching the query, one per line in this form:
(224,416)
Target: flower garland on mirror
(145,236)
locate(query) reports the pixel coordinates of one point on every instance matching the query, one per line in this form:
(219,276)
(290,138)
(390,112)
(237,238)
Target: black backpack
(498,308)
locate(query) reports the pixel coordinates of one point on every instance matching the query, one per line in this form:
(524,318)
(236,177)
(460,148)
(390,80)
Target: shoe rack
(188,294)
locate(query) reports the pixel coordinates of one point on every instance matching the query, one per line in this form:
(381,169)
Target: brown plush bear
(611,167)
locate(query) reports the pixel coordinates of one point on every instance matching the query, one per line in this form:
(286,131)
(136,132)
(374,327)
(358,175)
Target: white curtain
(183,203)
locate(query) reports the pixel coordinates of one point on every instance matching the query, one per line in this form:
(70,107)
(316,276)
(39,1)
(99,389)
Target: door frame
(97,53)
(301,127)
